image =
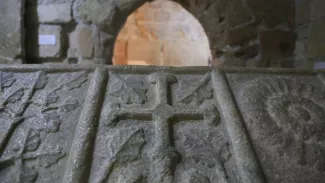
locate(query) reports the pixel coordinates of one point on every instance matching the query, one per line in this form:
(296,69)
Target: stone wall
(11,31)
(248,33)
(241,33)
(310,21)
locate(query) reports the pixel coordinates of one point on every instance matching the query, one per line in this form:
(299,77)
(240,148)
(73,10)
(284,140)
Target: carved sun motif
(292,114)
(294,110)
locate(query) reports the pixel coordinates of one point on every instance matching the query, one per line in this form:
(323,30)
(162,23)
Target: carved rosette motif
(33,108)
(155,128)
(290,117)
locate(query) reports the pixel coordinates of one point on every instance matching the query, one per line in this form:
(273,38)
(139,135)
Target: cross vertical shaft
(164,156)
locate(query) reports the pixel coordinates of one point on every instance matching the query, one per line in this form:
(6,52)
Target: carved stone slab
(161,127)
(100,124)
(39,113)
(285,116)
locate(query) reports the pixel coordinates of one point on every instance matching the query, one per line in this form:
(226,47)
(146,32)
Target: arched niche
(162,33)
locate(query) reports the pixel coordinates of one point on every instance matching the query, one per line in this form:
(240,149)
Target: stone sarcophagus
(99,124)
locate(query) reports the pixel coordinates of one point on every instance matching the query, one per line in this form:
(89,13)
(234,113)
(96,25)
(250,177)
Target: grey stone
(63,123)
(317,9)
(94,12)
(128,6)
(103,45)
(11,30)
(277,44)
(42,2)
(300,50)
(81,42)
(54,13)
(39,115)
(284,114)
(303,11)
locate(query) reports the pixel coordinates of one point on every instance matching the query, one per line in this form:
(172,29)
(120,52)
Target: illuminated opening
(162,33)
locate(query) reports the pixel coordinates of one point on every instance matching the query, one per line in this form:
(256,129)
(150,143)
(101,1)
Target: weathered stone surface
(271,13)
(39,116)
(94,12)
(81,42)
(49,50)
(238,14)
(303,11)
(103,45)
(277,44)
(11,30)
(159,126)
(316,40)
(241,35)
(155,126)
(152,124)
(42,2)
(317,9)
(54,13)
(284,115)
(300,50)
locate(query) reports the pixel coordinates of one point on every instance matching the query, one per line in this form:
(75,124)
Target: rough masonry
(154,124)
(12,31)
(250,33)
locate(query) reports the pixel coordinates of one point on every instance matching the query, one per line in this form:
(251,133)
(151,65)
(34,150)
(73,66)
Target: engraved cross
(164,156)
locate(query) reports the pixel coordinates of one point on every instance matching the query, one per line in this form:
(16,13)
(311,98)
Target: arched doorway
(162,33)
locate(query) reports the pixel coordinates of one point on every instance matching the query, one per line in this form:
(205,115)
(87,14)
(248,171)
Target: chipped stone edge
(245,156)
(148,69)
(79,161)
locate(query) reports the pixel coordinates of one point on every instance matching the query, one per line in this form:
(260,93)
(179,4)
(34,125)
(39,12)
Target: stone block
(54,13)
(48,2)
(317,31)
(240,35)
(103,45)
(40,139)
(238,14)
(300,50)
(81,42)
(11,30)
(316,41)
(317,9)
(303,32)
(95,12)
(271,13)
(52,45)
(303,11)
(283,114)
(247,52)
(316,50)
(146,50)
(277,44)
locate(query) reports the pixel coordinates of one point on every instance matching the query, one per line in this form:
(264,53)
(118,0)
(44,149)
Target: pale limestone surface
(155,124)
